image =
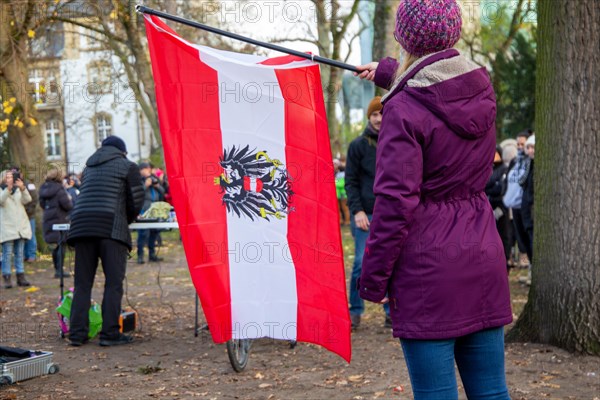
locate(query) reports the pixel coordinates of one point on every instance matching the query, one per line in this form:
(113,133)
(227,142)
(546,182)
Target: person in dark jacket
(359,178)
(433,250)
(527,201)
(30,249)
(72,186)
(493,190)
(110,199)
(153,192)
(56,203)
(513,195)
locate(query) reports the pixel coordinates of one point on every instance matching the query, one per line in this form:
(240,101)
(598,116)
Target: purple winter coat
(433,244)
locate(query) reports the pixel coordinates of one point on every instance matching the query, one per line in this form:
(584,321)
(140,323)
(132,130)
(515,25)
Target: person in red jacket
(433,249)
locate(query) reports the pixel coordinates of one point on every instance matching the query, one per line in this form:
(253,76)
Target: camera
(154,180)
(16,176)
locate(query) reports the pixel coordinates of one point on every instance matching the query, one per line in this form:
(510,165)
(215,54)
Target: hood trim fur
(399,79)
(441,71)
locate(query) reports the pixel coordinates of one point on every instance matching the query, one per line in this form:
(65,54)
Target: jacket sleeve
(42,201)
(352,177)
(397,194)
(25,197)
(493,188)
(3,196)
(161,189)
(135,193)
(64,201)
(385,72)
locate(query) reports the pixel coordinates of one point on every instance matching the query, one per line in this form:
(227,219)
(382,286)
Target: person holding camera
(14,225)
(71,185)
(153,192)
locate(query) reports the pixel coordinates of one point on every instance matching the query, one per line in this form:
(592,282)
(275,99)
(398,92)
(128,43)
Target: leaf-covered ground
(167,361)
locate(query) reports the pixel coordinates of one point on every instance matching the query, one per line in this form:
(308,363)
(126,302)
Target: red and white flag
(250,170)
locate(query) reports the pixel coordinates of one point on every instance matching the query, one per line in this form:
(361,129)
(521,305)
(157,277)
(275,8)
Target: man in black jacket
(110,198)
(360,178)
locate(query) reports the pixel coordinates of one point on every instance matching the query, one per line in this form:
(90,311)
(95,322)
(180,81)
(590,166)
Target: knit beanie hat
(115,141)
(530,141)
(374,105)
(427,26)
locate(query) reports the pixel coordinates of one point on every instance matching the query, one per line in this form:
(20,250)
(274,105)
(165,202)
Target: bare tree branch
(514,27)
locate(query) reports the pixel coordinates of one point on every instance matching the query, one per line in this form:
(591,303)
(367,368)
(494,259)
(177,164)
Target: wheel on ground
(238,352)
(53,369)
(5,380)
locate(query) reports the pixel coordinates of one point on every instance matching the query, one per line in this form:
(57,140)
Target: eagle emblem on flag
(253,185)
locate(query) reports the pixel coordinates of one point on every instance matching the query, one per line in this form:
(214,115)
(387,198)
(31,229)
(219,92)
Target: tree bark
(26,144)
(332,26)
(384,44)
(331,98)
(563,308)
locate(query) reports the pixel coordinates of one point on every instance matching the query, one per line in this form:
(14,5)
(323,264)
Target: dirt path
(167,361)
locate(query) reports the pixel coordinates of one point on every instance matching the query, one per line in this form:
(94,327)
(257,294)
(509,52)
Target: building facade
(82,97)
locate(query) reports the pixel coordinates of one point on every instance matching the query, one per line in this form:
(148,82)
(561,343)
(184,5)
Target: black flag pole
(146,10)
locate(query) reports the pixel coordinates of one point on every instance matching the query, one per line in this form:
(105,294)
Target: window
(44,88)
(103,127)
(36,78)
(92,39)
(99,77)
(49,41)
(52,139)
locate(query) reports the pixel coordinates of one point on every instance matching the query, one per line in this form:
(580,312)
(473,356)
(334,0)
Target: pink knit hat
(427,26)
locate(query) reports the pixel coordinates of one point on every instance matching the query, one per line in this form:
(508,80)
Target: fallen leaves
(150,369)
(41,312)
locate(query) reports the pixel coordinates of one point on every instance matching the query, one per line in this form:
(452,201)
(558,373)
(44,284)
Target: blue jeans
(7,252)
(357,305)
(31,244)
(147,237)
(480,360)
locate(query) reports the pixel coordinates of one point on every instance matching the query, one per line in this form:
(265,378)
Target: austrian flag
(250,169)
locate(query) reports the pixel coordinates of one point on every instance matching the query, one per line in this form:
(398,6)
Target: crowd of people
(56,197)
(99,206)
(510,191)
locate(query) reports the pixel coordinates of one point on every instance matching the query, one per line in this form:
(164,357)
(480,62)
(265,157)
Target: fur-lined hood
(463,104)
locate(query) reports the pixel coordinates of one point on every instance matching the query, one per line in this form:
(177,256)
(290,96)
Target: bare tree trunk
(335,84)
(563,308)
(26,143)
(384,22)
(332,26)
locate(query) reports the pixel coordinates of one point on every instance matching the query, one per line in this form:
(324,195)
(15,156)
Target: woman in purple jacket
(433,245)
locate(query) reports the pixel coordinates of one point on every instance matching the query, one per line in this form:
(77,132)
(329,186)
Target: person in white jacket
(14,226)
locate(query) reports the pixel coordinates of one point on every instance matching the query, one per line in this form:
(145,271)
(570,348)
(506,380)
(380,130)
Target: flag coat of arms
(250,171)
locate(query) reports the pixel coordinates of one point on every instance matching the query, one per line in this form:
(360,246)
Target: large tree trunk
(563,308)
(26,144)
